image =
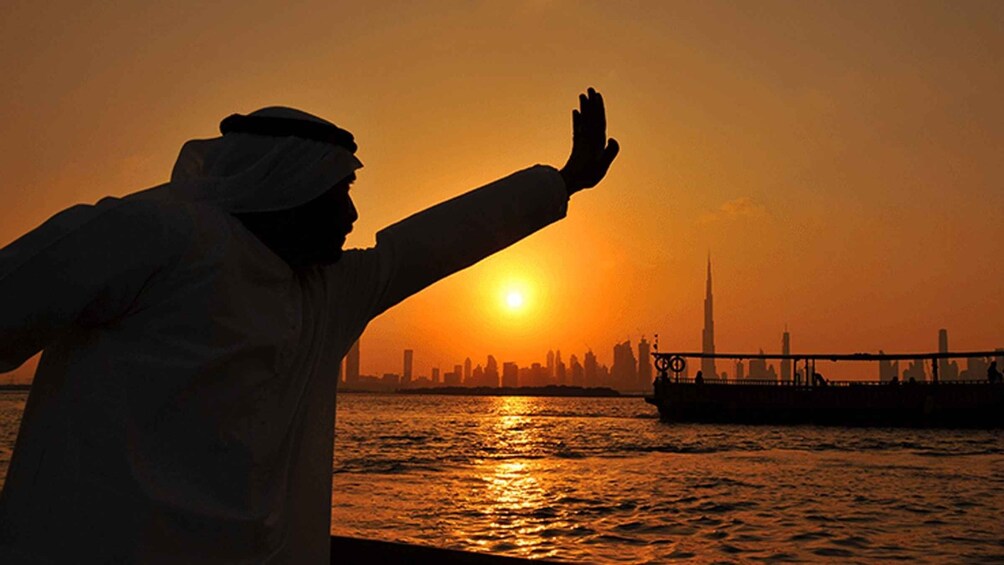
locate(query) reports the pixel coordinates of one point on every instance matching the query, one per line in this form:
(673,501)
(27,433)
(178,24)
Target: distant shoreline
(550,390)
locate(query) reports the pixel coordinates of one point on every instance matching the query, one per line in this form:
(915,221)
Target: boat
(929,403)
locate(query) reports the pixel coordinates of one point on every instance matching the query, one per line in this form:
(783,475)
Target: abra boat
(933,403)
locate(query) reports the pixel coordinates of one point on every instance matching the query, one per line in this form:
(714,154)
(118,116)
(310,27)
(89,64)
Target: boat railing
(771,382)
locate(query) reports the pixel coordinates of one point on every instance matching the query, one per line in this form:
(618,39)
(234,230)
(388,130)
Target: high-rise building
(590,369)
(740,371)
(537,376)
(467,371)
(550,365)
(625,369)
(560,370)
(352,364)
(510,374)
(708,336)
(915,371)
(603,377)
(976,369)
(491,373)
(785,363)
(948,370)
(644,364)
(759,370)
(578,375)
(435,375)
(888,370)
(409,360)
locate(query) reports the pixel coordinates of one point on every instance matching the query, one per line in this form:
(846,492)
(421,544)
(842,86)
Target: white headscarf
(242,172)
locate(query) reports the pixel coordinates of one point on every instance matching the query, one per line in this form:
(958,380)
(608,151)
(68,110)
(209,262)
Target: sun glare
(514,297)
(514,300)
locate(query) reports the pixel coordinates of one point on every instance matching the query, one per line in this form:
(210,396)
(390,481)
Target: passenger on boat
(993,375)
(183,409)
(699,378)
(660,383)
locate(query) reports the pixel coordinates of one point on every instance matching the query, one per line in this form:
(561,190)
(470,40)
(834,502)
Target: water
(603,481)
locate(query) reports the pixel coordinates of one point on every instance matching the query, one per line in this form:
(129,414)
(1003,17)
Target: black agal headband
(285,127)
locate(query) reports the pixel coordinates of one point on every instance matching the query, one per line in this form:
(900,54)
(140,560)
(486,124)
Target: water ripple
(603,481)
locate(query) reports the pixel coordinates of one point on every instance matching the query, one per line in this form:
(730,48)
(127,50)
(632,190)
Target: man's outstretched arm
(455,234)
(83,267)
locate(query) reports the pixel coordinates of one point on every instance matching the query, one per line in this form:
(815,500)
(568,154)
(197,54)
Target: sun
(514,300)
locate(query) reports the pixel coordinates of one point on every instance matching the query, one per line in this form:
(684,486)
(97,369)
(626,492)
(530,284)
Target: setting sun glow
(514,300)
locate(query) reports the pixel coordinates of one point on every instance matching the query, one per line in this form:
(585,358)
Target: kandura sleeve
(437,242)
(81,268)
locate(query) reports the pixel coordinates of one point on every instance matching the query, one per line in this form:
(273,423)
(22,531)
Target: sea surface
(602,480)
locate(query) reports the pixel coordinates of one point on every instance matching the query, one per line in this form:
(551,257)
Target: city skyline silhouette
(626,372)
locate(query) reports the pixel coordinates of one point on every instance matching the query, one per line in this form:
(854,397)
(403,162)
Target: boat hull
(962,405)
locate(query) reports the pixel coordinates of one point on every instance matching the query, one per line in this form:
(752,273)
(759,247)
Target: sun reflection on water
(509,487)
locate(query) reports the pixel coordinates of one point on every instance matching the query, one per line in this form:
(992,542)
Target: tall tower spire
(708,293)
(708,336)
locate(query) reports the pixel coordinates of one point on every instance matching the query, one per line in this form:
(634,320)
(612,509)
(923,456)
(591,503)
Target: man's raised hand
(592,152)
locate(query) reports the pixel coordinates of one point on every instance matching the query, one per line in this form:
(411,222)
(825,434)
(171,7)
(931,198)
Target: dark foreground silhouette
(183,407)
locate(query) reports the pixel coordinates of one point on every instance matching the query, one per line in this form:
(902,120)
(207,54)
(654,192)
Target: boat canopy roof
(831,356)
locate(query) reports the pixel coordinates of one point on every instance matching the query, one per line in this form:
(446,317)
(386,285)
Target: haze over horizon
(840,162)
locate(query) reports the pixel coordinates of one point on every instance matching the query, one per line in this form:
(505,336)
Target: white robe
(183,410)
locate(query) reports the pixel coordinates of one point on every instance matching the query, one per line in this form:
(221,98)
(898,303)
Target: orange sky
(841,162)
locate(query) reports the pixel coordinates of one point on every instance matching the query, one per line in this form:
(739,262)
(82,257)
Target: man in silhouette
(183,409)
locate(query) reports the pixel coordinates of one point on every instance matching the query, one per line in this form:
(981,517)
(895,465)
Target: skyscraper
(578,376)
(644,364)
(888,370)
(510,374)
(559,368)
(590,370)
(467,371)
(625,369)
(352,364)
(948,370)
(454,378)
(708,336)
(915,371)
(409,359)
(491,372)
(785,363)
